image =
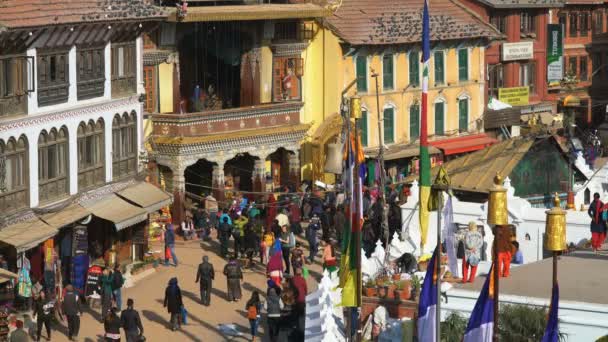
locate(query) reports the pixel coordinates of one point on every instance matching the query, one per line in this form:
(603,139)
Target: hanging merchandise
(24,283)
(50,259)
(78,271)
(80,241)
(93,280)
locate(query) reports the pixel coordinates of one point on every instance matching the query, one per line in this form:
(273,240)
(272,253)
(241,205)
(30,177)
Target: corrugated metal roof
(380,22)
(475,172)
(523,3)
(251,12)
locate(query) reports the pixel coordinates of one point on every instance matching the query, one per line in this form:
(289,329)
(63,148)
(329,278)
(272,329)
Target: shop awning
(68,215)
(147,196)
(463,144)
(407,152)
(118,211)
(27,234)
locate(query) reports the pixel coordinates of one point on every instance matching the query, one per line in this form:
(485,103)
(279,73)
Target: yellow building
(379,41)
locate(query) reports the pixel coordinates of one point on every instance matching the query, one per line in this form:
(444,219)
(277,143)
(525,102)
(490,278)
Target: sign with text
(555,53)
(516,96)
(517,51)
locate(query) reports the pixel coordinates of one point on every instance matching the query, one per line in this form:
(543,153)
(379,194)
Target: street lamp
(570,103)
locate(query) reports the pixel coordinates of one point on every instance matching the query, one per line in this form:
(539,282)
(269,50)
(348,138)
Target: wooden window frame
(364,127)
(53,77)
(531,82)
(463,67)
(584,23)
(281,66)
(91,157)
(414,69)
(495,79)
(362,86)
(91,72)
(414,109)
(388,74)
(439,130)
(53,170)
(468,112)
(124,69)
(150,85)
(15,74)
(14,155)
(386,138)
(499,20)
(441,72)
(528,22)
(573,22)
(124,145)
(583,68)
(598,21)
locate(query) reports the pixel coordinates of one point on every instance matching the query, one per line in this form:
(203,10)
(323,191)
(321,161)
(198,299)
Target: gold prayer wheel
(355,107)
(497,203)
(555,229)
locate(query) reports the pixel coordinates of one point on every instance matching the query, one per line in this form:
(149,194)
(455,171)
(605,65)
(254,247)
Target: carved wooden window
(527,23)
(287,78)
(90,155)
(150,86)
(124,70)
(13,175)
(124,145)
(53,164)
(53,77)
(91,72)
(13,85)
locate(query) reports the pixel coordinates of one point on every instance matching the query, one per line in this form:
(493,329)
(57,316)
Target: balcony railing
(227,120)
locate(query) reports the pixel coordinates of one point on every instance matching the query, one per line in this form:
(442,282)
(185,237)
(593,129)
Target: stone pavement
(148,295)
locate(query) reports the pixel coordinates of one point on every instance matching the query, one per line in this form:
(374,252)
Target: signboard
(517,51)
(93,280)
(516,96)
(80,241)
(555,53)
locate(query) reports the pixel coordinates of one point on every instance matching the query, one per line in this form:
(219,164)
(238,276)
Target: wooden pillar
(218,183)
(179,190)
(294,169)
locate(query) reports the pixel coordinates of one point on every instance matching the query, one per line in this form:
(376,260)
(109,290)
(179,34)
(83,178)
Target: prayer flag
(427,307)
(552,329)
(425,159)
(481,323)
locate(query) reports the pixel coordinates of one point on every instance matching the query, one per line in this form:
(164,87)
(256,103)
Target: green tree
(452,329)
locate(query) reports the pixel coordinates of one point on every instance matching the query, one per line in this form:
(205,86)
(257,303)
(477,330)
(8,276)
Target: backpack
(252,312)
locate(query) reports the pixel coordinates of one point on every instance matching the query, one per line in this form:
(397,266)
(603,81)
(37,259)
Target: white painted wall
(71,114)
(526,219)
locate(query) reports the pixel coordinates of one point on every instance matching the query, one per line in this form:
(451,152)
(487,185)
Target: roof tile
(380,22)
(31,13)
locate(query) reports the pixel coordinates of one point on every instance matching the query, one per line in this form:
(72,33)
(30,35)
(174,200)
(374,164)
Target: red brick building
(520,59)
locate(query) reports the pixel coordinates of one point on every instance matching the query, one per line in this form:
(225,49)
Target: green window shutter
(463,115)
(363,127)
(439,73)
(414,69)
(463,65)
(387,72)
(414,122)
(361,62)
(389,125)
(439,118)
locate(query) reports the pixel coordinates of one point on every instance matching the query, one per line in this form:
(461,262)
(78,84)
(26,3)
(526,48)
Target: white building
(71,84)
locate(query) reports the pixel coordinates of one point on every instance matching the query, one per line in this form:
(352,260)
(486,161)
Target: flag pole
(496,280)
(357,226)
(438,270)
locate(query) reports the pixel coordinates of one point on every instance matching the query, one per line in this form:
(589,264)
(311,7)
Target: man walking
(233,274)
(131,322)
(311,235)
(72,310)
(117,282)
(205,276)
(224,231)
(170,244)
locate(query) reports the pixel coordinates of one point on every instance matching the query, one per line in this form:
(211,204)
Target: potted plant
(390,290)
(415,282)
(382,290)
(370,289)
(397,276)
(404,290)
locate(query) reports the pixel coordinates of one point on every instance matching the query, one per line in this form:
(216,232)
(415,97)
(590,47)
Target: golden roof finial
(556,201)
(498,180)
